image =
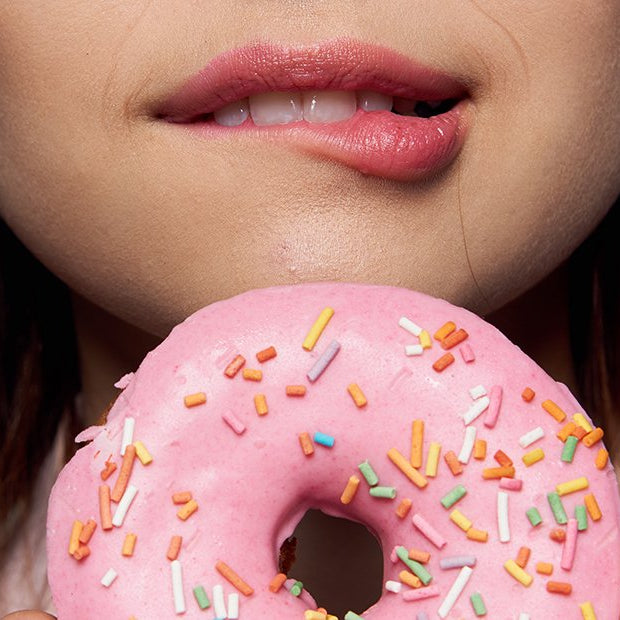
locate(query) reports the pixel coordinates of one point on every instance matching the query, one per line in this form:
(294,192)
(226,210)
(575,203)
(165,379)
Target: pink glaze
(253,488)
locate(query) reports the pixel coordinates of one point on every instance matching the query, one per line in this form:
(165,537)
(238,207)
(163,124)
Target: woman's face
(151,218)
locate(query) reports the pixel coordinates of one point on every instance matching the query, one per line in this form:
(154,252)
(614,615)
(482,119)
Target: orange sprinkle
(277,582)
(74,539)
(235,366)
(480,449)
(174,547)
(566,431)
(266,354)
(453,463)
(558,534)
(182,497)
(602,457)
(544,568)
(403,508)
(503,459)
(454,338)
(306,444)
(108,470)
(229,574)
(357,395)
(124,474)
(559,587)
(491,473)
(83,551)
(187,510)
(417,442)
(105,511)
(405,467)
(528,394)
(129,544)
(260,404)
(477,535)
(193,400)
(592,507)
(409,579)
(295,390)
(593,437)
(554,410)
(87,531)
(419,556)
(252,374)
(579,432)
(523,556)
(350,490)
(445,330)
(443,362)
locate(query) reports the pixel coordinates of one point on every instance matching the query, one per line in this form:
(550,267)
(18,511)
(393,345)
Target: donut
(485,482)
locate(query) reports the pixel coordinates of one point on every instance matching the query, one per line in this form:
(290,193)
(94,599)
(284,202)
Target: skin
(146,224)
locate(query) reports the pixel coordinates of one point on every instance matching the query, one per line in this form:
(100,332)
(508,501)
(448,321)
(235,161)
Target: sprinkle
(493,473)
(443,362)
(305,441)
(350,615)
(455,591)
(142,453)
(219,605)
(457,561)
(201,597)
(324,440)
(468,445)
(495,396)
(566,431)
(128,427)
(578,484)
(558,534)
(559,587)
(369,473)
(234,422)
(423,557)
(350,490)
(510,484)
(409,579)
(534,516)
(297,588)
(579,432)
(266,354)
(74,539)
(476,409)
(403,508)
(454,339)
(428,531)
(593,437)
(383,492)
(502,458)
(417,442)
(83,551)
(467,353)
(518,573)
(421,616)
(252,374)
(405,467)
(233,606)
(587,611)
(235,366)
(260,404)
(568,451)
(552,409)
(193,400)
(523,556)
(177,587)
(229,574)
(109,577)
(453,463)
(311,614)
(295,390)
(592,506)
(187,510)
(108,470)
(174,547)
(182,497)
(544,568)
(531,436)
(528,394)
(413,349)
(87,531)
(415,567)
(432,459)
(425,340)
(357,395)
(445,330)
(420,594)
(105,511)
(453,496)
(480,449)
(502,516)
(277,582)
(324,361)
(580,420)
(602,457)
(557,508)
(409,326)
(129,544)
(478,604)
(124,474)
(456,516)
(317,328)
(477,535)
(393,586)
(123,505)
(524,616)
(533,457)
(570,545)
(477,391)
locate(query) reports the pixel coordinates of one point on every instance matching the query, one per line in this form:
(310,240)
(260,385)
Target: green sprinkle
(582,517)
(386,492)
(297,588)
(369,473)
(453,496)
(478,604)
(350,615)
(534,516)
(568,452)
(415,567)
(557,508)
(201,597)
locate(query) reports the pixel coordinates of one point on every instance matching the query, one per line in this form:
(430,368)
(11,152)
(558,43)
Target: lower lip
(380,143)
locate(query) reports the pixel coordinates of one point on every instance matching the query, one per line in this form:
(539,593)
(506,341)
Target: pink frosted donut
(377,404)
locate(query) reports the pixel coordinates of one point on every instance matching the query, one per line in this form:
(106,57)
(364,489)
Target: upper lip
(342,64)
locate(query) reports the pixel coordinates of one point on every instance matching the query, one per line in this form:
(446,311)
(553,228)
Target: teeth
(370,101)
(329,106)
(233,114)
(276,108)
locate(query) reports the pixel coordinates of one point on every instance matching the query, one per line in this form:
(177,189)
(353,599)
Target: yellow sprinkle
(587,611)
(425,339)
(580,420)
(403,464)
(260,403)
(129,545)
(357,395)
(461,520)
(74,539)
(142,453)
(552,409)
(533,456)
(252,374)
(187,510)
(518,573)
(432,459)
(317,329)
(578,484)
(191,400)
(310,614)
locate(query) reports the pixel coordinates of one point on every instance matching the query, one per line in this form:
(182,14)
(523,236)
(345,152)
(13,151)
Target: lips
(382,142)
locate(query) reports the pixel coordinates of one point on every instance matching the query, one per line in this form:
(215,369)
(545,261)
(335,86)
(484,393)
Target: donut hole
(340,562)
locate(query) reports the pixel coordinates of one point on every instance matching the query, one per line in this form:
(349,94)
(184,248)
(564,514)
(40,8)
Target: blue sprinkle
(324,440)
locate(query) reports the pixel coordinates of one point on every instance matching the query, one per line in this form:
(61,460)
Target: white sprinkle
(410,326)
(233,606)
(234,422)
(502,516)
(177,587)
(219,606)
(128,427)
(414,349)
(477,408)
(524,616)
(123,505)
(531,436)
(477,391)
(468,445)
(393,586)
(455,591)
(108,578)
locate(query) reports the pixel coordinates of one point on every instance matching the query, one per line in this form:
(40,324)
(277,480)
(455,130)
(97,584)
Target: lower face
(151,213)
